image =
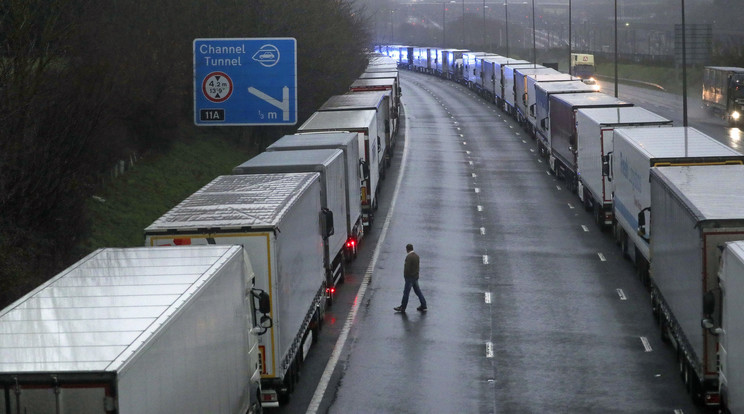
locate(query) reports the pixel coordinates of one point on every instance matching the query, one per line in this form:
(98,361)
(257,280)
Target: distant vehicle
(723,93)
(582,65)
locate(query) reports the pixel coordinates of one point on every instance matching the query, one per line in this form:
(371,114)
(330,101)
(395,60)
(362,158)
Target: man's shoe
(399,309)
(421,308)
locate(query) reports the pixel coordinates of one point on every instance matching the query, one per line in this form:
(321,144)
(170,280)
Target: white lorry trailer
(136,330)
(508,80)
(492,77)
(635,151)
(527,101)
(348,143)
(379,84)
(379,101)
(696,209)
(564,139)
(363,122)
(329,163)
(595,128)
(278,220)
(725,320)
(543,92)
(521,91)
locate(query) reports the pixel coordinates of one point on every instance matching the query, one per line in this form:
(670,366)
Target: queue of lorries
(218,311)
(672,197)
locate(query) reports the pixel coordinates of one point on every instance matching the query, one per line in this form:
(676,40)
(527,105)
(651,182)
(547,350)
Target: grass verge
(155,185)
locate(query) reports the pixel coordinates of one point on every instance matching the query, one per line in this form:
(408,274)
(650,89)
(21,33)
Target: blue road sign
(250,81)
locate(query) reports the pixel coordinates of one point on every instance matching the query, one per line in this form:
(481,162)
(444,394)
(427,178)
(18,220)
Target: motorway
(531,308)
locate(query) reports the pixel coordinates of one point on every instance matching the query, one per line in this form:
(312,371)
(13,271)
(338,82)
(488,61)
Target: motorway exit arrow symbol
(283,104)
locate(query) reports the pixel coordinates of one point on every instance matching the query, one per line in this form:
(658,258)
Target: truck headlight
(735,115)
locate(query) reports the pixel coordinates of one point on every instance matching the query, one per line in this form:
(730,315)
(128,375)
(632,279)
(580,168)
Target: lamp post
(506,23)
(684,68)
(462,43)
(444,24)
(569,38)
(616,84)
(484,25)
(534,43)
(392,27)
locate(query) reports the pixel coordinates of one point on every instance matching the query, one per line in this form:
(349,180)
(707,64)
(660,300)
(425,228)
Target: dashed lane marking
(646,344)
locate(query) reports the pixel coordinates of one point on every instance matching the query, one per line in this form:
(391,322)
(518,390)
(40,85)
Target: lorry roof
(339,120)
(675,142)
(620,115)
(237,201)
(358,100)
(373,82)
(504,60)
(378,75)
(530,71)
(97,313)
(578,100)
(289,161)
(712,192)
(316,138)
(727,68)
(550,76)
(565,87)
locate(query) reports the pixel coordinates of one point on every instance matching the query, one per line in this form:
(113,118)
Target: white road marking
(480,208)
(470,162)
(621,294)
(557,187)
(485,259)
(483,231)
(477,190)
(487,297)
(489,349)
(473,175)
(585,227)
(646,344)
(570,205)
(602,257)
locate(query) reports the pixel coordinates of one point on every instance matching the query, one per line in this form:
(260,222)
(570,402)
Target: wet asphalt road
(531,308)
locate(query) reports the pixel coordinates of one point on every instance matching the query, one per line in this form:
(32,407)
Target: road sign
(251,81)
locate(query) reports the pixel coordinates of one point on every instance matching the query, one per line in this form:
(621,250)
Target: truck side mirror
(365,169)
(264,307)
(606,164)
(326,221)
(642,223)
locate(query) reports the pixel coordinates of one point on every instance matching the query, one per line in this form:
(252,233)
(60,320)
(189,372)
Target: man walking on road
(411,276)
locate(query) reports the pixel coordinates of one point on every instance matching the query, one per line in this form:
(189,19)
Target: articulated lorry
(348,143)
(371,149)
(595,129)
(137,330)
(279,221)
(329,163)
(635,151)
(524,89)
(543,92)
(381,102)
(695,210)
(564,138)
(723,93)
